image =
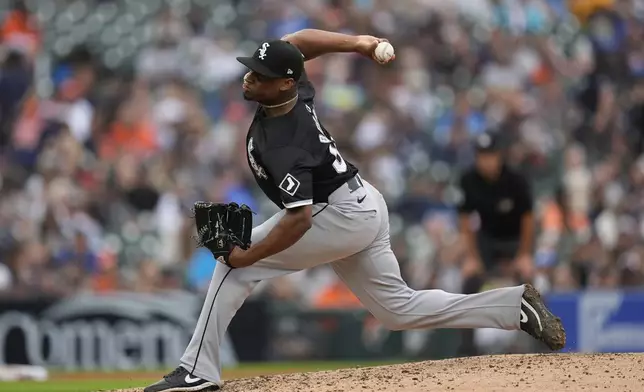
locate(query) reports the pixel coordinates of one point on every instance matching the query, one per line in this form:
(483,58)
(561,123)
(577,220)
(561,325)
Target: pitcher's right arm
(314,43)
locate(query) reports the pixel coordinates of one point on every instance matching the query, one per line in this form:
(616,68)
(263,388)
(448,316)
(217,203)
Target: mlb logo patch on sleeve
(289,184)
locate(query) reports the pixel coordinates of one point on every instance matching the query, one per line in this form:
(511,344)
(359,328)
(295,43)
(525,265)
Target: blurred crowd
(115,116)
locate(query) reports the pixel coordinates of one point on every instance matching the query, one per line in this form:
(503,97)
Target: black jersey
(500,204)
(294,159)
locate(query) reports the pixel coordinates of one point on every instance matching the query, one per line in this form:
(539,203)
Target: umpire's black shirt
(294,159)
(500,204)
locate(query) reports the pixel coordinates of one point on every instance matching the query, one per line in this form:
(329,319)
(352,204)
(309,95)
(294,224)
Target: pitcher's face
(260,88)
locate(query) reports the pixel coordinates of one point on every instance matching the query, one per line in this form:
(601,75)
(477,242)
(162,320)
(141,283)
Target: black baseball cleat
(180,380)
(539,322)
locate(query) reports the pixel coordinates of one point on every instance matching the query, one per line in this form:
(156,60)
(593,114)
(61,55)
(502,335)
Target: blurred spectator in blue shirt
(79,255)
(201,266)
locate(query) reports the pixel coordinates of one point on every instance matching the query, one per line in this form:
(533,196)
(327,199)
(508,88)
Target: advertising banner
(601,321)
(119,331)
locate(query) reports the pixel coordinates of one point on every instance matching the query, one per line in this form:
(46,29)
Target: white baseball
(384,52)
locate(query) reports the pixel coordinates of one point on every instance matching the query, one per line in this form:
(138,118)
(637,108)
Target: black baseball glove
(221,227)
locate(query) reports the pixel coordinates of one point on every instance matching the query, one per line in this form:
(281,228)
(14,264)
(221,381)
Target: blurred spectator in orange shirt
(20,30)
(582,9)
(337,296)
(558,218)
(107,276)
(132,131)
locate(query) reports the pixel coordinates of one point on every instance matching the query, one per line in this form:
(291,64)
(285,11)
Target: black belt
(354,183)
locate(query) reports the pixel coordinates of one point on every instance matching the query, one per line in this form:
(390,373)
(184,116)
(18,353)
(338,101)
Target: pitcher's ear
(288,84)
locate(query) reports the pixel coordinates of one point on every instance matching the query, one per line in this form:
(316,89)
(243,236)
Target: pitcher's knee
(396,317)
(395,325)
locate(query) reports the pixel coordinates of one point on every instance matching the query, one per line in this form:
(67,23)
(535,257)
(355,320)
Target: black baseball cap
(487,142)
(276,59)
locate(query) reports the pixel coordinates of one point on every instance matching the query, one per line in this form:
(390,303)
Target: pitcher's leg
(374,276)
(225,296)
(229,288)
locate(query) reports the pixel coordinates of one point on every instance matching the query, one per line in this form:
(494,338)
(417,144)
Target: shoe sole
(210,387)
(553,333)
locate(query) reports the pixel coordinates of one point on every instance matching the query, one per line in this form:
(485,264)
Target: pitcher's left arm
(290,169)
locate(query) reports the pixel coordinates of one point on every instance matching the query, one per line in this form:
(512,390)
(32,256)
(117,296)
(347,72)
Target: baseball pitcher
(329,215)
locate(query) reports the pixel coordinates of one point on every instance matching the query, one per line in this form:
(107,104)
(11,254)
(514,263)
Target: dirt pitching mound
(543,373)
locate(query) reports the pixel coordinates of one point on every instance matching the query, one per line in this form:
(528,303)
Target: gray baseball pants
(354,239)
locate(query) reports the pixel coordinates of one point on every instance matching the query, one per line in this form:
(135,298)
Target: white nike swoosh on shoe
(524,317)
(191,380)
(533,310)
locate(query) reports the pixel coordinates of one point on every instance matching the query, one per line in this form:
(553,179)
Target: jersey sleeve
(291,171)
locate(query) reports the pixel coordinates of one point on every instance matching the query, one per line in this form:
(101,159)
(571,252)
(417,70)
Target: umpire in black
(502,199)
(503,244)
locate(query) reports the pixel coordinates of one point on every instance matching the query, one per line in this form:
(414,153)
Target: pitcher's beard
(246,96)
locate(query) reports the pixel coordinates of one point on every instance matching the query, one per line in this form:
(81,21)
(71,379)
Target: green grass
(122,380)
(70,386)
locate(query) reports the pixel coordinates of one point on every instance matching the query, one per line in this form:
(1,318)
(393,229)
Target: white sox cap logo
(289,184)
(262,50)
